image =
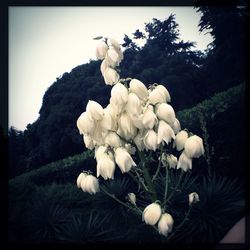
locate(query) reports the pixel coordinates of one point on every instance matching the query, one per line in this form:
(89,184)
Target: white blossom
(132,198)
(84,124)
(101,50)
(123,159)
(119,97)
(95,110)
(180,140)
(105,166)
(176,126)
(151,214)
(164,133)
(149,118)
(165,224)
(194,147)
(139,140)
(150,140)
(166,113)
(99,151)
(193,198)
(156,96)
(89,143)
(107,123)
(172,161)
(80,177)
(112,57)
(184,162)
(164,90)
(113,140)
(90,184)
(137,87)
(126,129)
(134,105)
(110,76)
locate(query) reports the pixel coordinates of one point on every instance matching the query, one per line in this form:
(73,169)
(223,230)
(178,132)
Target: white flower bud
(150,140)
(164,91)
(113,140)
(101,50)
(132,198)
(149,119)
(151,214)
(137,87)
(112,58)
(165,224)
(165,133)
(110,76)
(80,178)
(193,198)
(172,161)
(176,126)
(156,96)
(90,184)
(84,124)
(184,162)
(134,105)
(166,113)
(180,140)
(105,166)
(89,143)
(126,128)
(123,160)
(194,147)
(95,110)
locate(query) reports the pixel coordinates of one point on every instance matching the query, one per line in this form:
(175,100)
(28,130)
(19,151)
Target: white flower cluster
(153,214)
(110,52)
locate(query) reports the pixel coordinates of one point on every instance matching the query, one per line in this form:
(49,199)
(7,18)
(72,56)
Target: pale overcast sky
(45,42)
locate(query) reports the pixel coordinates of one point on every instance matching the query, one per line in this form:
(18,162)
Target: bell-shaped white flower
(126,128)
(84,124)
(132,198)
(101,50)
(180,140)
(137,120)
(193,198)
(194,147)
(184,162)
(107,123)
(139,140)
(133,105)
(89,143)
(164,133)
(112,57)
(90,184)
(165,224)
(95,110)
(113,140)
(166,113)
(105,166)
(137,87)
(176,126)
(123,160)
(150,140)
(79,179)
(149,118)
(151,214)
(164,90)
(156,96)
(172,161)
(114,44)
(110,76)
(99,151)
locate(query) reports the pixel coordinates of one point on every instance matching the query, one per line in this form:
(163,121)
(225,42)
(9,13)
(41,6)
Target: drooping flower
(137,87)
(194,147)
(139,140)
(164,133)
(95,110)
(113,140)
(156,96)
(184,162)
(149,118)
(166,113)
(172,161)
(132,198)
(90,184)
(193,198)
(180,140)
(99,151)
(150,140)
(89,143)
(123,159)
(110,76)
(112,58)
(165,224)
(106,166)
(80,178)
(126,128)
(134,105)
(151,214)
(164,90)
(176,126)
(84,124)
(101,50)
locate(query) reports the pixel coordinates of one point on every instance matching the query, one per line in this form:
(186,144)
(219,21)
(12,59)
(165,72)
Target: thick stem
(147,178)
